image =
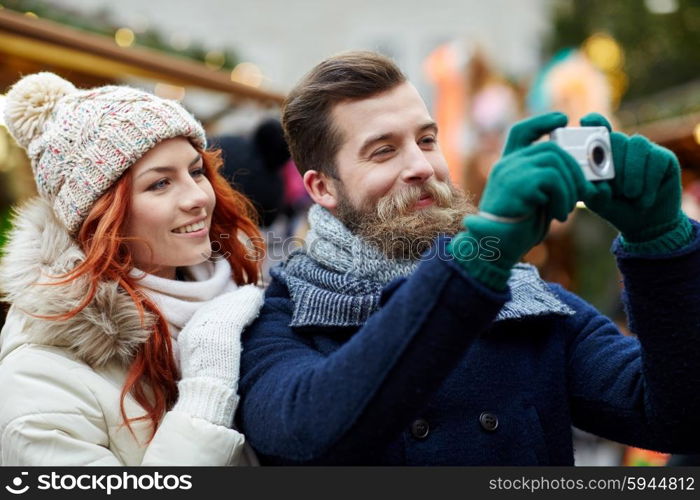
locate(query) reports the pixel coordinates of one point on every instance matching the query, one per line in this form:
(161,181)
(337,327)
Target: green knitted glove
(529,186)
(644,200)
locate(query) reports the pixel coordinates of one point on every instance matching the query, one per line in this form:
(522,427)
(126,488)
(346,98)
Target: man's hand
(529,186)
(643,201)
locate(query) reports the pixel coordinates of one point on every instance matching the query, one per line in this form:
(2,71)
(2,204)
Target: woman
(122,342)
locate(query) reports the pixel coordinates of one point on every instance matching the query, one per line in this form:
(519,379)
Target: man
(365,353)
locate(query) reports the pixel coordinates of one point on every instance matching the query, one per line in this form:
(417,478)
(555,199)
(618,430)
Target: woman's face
(171,209)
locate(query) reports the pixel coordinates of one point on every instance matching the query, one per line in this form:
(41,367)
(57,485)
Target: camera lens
(598,155)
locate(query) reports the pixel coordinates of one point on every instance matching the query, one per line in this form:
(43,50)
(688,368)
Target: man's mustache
(404,201)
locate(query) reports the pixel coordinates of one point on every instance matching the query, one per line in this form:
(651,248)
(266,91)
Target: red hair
(152,376)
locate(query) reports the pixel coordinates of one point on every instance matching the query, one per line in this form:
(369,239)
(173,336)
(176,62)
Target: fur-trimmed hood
(38,249)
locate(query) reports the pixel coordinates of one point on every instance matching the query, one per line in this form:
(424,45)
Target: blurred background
(480,66)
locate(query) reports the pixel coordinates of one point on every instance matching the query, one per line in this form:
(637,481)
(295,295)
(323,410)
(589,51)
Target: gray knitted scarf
(337,279)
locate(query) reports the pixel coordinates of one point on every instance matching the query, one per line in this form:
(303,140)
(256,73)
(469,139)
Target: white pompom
(30,102)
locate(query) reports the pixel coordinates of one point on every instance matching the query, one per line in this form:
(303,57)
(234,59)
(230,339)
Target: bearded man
(405,333)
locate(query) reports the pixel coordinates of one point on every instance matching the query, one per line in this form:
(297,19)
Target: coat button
(488,421)
(420,429)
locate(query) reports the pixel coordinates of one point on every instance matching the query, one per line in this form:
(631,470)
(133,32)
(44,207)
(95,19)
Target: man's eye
(383,151)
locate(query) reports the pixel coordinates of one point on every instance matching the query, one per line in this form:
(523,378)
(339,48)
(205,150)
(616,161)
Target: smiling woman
(171,208)
(122,343)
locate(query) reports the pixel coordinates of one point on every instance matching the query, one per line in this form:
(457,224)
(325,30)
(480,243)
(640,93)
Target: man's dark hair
(312,137)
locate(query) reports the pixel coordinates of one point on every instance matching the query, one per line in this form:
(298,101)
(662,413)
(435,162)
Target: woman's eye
(198,172)
(428,140)
(159,185)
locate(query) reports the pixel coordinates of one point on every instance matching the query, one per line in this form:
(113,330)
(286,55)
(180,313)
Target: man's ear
(321,188)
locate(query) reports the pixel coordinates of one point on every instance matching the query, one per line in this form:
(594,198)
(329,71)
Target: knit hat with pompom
(80,142)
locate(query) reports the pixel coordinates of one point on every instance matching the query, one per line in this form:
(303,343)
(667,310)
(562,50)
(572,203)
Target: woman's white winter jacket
(61,382)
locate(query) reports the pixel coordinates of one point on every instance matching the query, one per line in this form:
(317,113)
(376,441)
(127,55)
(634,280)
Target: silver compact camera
(590,146)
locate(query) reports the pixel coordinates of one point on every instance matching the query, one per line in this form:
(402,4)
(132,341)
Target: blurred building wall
(285,38)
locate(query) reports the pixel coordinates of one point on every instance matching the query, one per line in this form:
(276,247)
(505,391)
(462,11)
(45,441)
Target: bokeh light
(248,74)
(167,91)
(180,40)
(661,6)
(604,51)
(124,37)
(215,59)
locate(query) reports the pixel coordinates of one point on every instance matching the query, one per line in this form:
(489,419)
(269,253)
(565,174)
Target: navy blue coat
(431,379)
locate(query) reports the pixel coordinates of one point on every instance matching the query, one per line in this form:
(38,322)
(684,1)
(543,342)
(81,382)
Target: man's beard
(400,230)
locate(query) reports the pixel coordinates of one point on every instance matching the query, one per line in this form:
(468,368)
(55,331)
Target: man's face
(394,187)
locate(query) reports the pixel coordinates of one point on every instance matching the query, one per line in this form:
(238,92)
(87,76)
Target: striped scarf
(337,279)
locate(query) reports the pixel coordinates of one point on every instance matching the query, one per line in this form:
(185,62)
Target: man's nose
(417,167)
